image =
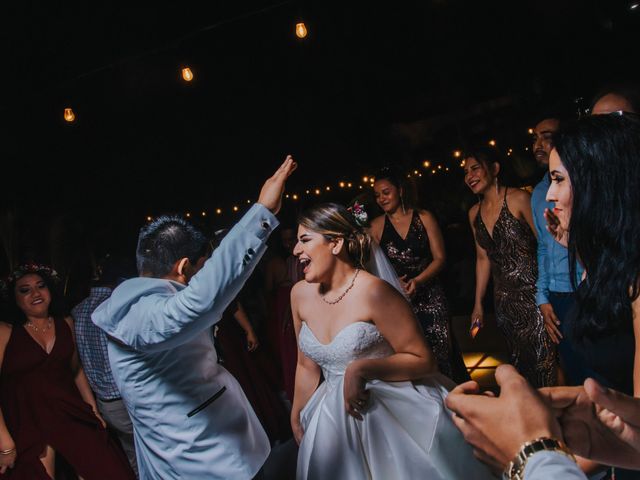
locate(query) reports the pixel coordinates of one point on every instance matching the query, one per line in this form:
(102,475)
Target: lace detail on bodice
(356,340)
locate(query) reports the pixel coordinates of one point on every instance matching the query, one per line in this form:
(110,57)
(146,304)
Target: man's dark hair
(165,241)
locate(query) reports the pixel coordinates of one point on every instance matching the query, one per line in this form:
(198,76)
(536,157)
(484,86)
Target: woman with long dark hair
(506,246)
(595,173)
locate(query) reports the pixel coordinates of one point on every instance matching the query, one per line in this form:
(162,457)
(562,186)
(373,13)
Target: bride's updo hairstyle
(334,221)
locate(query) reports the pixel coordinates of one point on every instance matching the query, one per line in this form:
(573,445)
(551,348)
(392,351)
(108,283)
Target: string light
(301,30)
(492,143)
(204,214)
(235,208)
(188,215)
(530,131)
(349,185)
(294,196)
(426,164)
(328,189)
(365,179)
(218,211)
(341,184)
(69,116)
(457,153)
(149,218)
(187,74)
(317,191)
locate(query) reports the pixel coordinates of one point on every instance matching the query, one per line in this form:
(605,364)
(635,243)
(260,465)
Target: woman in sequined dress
(413,242)
(502,224)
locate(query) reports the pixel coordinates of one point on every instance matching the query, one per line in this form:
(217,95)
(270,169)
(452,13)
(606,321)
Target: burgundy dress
(42,406)
(255,374)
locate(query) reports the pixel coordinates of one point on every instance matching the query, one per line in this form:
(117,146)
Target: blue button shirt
(92,346)
(553,258)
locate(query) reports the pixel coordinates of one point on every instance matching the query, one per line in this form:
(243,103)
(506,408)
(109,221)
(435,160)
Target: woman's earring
(402,204)
(497,191)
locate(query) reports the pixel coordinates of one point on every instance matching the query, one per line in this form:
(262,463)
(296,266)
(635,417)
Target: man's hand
(498,426)
(553,227)
(598,423)
(273,188)
(551,322)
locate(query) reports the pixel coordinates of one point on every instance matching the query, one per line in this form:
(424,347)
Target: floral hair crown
(26,269)
(359,214)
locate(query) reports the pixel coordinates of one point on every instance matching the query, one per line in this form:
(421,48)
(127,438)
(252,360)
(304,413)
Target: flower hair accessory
(26,269)
(359,214)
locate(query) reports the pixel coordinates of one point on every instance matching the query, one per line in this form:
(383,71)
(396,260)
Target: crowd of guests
(564,267)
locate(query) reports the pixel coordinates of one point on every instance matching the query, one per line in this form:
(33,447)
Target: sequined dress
(410,256)
(514,268)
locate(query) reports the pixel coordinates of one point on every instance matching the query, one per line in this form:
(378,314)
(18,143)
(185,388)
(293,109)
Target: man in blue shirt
(92,349)
(555,296)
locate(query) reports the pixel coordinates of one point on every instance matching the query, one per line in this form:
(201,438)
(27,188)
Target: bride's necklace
(33,326)
(333,302)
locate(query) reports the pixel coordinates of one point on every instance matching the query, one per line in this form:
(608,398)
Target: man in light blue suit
(191,419)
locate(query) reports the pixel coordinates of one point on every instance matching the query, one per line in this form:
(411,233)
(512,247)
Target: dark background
(372,84)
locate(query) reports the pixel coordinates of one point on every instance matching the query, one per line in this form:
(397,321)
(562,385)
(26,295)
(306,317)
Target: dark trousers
(570,359)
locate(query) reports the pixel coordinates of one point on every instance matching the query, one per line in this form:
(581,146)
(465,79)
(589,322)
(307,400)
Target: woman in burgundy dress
(47,406)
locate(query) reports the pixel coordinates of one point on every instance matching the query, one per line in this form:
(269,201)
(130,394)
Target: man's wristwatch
(515,469)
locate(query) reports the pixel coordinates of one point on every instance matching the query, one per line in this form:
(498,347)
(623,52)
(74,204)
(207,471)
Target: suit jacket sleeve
(168,319)
(546,465)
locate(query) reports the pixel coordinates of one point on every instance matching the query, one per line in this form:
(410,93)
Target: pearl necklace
(333,302)
(48,326)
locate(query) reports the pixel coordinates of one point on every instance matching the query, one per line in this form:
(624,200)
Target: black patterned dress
(410,256)
(514,267)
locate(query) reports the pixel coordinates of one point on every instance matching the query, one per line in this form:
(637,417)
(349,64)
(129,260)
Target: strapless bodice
(356,340)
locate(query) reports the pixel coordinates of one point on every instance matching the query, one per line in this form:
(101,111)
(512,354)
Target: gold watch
(515,469)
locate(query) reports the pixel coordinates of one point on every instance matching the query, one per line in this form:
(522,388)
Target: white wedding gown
(406,431)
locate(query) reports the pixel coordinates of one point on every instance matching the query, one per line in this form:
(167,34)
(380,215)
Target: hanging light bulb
(69,116)
(187,74)
(301,30)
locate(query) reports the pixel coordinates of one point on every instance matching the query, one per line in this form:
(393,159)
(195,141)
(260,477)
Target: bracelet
(8,451)
(515,469)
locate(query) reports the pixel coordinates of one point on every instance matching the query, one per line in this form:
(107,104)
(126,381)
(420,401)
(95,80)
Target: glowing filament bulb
(187,74)
(301,30)
(69,116)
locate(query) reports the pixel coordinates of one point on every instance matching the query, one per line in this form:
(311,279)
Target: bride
(379,413)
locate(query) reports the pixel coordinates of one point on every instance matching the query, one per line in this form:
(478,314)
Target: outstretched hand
(598,423)
(553,227)
(273,188)
(498,426)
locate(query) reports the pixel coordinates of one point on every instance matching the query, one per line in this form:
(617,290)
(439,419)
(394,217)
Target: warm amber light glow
(204,214)
(149,219)
(301,30)
(426,164)
(328,189)
(295,197)
(530,131)
(187,74)
(218,211)
(235,208)
(317,191)
(365,179)
(349,185)
(492,143)
(69,116)
(457,153)
(341,184)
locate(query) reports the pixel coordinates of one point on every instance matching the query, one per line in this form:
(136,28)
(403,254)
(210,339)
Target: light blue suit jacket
(165,365)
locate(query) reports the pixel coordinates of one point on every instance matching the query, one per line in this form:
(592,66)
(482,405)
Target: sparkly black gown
(410,256)
(514,267)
